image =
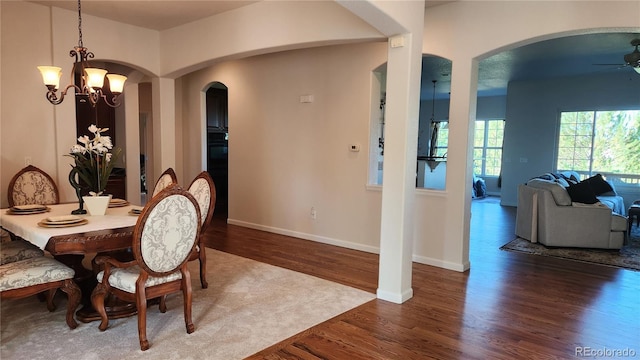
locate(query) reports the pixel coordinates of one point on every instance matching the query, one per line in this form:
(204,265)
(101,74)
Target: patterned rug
(628,257)
(248,306)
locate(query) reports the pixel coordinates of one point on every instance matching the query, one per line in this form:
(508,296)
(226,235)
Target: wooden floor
(508,306)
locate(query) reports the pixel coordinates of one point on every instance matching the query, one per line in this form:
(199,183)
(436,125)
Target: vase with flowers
(93,163)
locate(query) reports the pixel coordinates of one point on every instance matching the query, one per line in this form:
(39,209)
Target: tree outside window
(487,147)
(593,142)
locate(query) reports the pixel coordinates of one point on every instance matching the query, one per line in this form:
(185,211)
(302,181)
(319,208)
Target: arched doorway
(218,143)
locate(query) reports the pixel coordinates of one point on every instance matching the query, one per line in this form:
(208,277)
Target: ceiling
(566,56)
(152,14)
(561,57)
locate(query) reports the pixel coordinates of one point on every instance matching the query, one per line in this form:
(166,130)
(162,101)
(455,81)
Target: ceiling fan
(631,59)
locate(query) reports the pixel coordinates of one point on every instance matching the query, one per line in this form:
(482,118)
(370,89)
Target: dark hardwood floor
(508,306)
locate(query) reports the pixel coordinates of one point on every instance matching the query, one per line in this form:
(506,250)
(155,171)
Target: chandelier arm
(52,93)
(95,96)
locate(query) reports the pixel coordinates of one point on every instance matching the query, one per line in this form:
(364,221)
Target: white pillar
(400,154)
(462,116)
(164,126)
(132,141)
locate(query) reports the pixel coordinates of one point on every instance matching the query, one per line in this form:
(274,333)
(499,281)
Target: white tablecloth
(26,226)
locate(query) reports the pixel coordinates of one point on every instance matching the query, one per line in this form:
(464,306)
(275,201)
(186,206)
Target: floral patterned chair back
(32,186)
(167,178)
(167,233)
(203,190)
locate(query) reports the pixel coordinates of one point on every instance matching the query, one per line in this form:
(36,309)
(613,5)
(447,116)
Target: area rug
(248,306)
(628,257)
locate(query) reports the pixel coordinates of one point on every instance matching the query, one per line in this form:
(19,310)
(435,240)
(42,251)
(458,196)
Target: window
(593,142)
(487,147)
(442,142)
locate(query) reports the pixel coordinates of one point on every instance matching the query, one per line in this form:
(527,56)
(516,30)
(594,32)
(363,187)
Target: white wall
(286,156)
(533,109)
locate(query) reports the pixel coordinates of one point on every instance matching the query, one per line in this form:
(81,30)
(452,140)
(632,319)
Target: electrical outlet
(313,213)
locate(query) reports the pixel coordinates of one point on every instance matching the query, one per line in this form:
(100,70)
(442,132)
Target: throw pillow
(598,184)
(559,193)
(582,193)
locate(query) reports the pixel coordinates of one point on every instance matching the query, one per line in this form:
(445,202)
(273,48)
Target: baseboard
(397,298)
(459,267)
(305,236)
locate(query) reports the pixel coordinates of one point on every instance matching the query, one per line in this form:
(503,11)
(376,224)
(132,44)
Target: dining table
(70,241)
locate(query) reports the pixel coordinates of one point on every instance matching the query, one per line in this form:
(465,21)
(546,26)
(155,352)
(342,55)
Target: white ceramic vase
(96,205)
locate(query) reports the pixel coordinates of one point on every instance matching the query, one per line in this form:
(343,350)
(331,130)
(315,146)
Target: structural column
(403,23)
(164,125)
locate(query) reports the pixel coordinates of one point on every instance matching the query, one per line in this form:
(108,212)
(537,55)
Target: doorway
(218,144)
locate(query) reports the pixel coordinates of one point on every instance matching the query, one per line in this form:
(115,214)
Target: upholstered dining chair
(164,236)
(167,178)
(203,190)
(32,186)
(35,275)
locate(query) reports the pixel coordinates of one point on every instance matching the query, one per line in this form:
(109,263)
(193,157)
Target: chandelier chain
(80,43)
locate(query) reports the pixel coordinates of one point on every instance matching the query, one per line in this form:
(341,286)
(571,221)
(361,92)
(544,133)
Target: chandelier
(91,79)
(433,160)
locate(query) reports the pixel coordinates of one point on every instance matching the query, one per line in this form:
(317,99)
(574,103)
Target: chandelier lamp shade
(91,79)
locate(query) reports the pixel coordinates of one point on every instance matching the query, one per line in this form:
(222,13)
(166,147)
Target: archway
(217,146)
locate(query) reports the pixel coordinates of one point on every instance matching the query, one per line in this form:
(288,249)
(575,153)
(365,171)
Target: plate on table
(28,209)
(63,221)
(136,211)
(118,203)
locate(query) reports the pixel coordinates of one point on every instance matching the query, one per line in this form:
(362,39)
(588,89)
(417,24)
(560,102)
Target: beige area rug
(628,257)
(248,306)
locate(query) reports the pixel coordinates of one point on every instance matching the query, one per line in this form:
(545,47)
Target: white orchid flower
(77,149)
(94,129)
(84,139)
(106,141)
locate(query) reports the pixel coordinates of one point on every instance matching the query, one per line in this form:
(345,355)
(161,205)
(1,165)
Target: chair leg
(50,305)
(73,300)
(97,300)
(163,304)
(141,303)
(203,267)
(186,293)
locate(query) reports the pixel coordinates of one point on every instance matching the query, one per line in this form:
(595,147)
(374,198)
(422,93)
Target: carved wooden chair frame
(31,168)
(206,213)
(167,178)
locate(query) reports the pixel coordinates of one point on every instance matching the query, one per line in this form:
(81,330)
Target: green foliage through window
(600,142)
(487,147)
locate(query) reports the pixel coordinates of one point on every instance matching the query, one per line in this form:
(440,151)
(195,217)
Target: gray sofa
(547,214)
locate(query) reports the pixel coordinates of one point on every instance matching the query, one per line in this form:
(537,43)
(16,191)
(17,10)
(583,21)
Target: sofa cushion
(582,193)
(598,184)
(559,193)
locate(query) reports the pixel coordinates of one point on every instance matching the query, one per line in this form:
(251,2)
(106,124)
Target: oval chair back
(32,186)
(167,178)
(167,231)
(203,190)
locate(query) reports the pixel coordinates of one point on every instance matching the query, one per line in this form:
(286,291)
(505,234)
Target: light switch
(306,98)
